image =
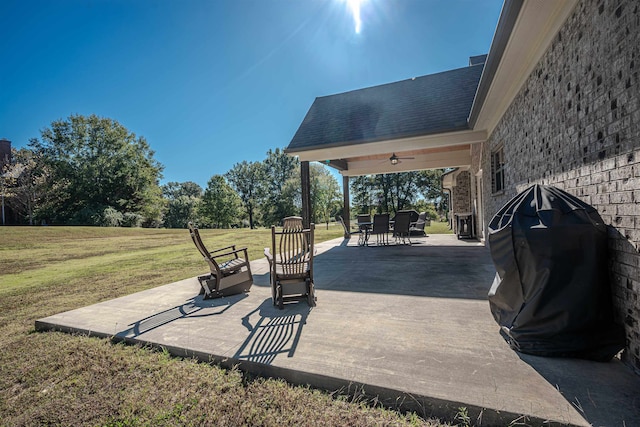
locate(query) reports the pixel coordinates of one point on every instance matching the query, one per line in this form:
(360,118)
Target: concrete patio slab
(409,324)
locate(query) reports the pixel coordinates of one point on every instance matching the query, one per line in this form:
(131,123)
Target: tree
(96,163)
(362,193)
(247,179)
(394,192)
(173,190)
(220,204)
(183,202)
(325,194)
(279,169)
(23,183)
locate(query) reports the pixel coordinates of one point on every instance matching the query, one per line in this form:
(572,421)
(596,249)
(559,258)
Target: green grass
(60,379)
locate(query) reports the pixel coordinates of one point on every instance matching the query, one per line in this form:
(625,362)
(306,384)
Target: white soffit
(532,34)
(439,160)
(391,146)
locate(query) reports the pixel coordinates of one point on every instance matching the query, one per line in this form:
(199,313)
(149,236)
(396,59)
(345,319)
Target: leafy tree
(183,201)
(173,190)
(325,194)
(362,193)
(220,204)
(279,169)
(394,192)
(182,210)
(96,163)
(23,182)
(247,179)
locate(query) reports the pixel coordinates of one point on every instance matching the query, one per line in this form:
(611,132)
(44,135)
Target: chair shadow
(192,308)
(274,332)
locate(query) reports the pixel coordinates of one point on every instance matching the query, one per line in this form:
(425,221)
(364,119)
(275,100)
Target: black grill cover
(551,294)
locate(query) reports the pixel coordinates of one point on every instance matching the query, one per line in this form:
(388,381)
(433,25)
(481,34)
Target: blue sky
(212,83)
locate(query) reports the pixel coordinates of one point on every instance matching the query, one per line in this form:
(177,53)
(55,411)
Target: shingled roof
(435,103)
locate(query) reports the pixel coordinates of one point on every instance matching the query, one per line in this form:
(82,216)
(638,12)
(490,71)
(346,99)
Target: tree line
(88,170)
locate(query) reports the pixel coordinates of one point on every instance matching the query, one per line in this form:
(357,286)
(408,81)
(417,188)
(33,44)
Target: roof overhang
(429,151)
(525,31)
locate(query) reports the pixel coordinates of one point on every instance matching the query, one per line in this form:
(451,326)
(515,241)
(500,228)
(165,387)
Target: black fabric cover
(551,295)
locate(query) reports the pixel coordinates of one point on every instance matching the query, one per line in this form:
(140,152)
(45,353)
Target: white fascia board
(391,146)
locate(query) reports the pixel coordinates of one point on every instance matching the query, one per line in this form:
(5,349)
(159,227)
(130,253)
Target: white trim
(536,27)
(390,146)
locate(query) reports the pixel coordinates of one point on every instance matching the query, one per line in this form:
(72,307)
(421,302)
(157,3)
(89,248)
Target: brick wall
(460,196)
(576,125)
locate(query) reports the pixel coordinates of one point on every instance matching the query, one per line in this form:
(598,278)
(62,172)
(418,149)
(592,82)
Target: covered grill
(551,295)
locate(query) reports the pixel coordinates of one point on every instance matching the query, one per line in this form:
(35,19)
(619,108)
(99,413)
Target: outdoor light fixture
(395,159)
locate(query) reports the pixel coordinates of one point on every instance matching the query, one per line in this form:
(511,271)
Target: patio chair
(291,263)
(418,226)
(230,273)
(381,228)
(364,225)
(347,232)
(401,227)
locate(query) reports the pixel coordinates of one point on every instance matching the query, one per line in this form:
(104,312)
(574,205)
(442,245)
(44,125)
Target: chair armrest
(267,253)
(233,247)
(234,252)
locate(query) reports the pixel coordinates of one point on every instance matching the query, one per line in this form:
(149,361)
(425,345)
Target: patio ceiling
(427,152)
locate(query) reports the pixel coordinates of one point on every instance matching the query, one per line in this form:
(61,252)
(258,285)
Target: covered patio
(409,325)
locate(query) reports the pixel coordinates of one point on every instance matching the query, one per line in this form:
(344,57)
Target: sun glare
(354,5)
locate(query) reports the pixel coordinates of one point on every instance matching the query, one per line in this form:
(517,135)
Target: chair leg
(311,294)
(280,296)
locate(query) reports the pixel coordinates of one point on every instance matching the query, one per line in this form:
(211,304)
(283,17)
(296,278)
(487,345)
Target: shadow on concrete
(194,307)
(272,332)
(593,388)
(463,271)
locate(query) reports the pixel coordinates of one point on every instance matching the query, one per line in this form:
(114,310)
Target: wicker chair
(291,263)
(418,226)
(230,273)
(401,227)
(381,228)
(364,225)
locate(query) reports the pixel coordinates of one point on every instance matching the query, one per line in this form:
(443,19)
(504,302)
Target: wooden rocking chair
(230,276)
(291,263)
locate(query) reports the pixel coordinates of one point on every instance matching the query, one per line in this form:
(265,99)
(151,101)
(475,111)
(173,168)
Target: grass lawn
(54,378)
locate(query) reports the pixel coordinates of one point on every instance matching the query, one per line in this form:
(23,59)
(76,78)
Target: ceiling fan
(395,159)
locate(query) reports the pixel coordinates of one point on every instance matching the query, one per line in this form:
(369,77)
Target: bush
(109,218)
(132,219)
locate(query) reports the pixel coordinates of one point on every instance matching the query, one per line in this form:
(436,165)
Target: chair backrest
(381,223)
(197,240)
(293,249)
(402,222)
(364,218)
(422,221)
(292,223)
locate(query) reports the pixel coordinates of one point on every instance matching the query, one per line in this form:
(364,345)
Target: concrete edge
(425,406)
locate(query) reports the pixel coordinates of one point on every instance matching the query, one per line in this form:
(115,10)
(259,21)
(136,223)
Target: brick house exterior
(575,124)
